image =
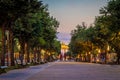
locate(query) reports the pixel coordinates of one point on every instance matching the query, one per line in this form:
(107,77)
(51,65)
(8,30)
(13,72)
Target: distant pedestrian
(102,57)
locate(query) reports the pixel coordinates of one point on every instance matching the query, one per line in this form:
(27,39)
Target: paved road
(66,71)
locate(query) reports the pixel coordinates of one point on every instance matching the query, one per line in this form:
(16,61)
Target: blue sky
(72,12)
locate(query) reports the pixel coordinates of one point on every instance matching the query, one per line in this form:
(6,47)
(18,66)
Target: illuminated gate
(64,49)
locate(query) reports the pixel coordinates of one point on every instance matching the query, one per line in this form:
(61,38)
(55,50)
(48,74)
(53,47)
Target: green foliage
(10,10)
(39,29)
(113,11)
(79,40)
(30,23)
(57,46)
(104,33)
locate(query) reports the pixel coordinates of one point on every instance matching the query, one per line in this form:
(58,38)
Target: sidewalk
(23,74)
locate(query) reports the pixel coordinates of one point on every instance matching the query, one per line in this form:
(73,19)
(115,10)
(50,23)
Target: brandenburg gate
(64,49)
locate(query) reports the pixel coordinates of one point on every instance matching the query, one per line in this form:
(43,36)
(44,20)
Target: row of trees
(103,35)
(28,24)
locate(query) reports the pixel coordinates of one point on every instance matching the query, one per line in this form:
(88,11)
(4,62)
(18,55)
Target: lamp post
(106,57)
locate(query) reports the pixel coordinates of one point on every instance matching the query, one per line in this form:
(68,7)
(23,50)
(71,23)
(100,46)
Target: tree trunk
(11,46)
(3,46)
(32,51)
(118,58)
(22,50)
(28,52)
(39,54)
(35,55)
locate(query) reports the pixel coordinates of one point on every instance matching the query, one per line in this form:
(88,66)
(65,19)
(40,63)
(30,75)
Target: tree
(10,11)
(79,41)
(112,12)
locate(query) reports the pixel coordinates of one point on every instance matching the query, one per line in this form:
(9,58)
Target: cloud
(64,37)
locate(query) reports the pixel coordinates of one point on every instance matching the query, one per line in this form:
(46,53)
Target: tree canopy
(103,34)
(29,22)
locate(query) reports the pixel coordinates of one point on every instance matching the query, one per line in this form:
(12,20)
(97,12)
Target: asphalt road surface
(65,71)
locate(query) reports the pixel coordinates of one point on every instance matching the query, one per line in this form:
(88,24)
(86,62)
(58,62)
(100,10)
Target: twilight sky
(72,12)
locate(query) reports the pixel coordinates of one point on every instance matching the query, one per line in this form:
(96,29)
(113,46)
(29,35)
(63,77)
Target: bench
(20,64)
(28,63)
(3,68)
(18,61)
